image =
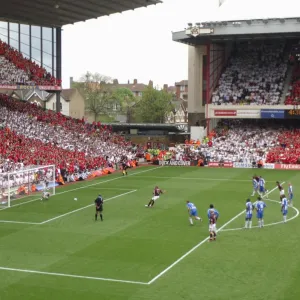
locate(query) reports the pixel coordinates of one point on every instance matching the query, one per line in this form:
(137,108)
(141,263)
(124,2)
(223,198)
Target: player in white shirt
(45,193)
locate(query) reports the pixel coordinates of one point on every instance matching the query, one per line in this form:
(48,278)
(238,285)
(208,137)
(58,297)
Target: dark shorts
(100,208)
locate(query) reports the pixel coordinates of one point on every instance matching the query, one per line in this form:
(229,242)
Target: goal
(26,183)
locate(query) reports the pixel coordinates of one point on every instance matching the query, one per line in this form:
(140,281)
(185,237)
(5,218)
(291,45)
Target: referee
(99,207)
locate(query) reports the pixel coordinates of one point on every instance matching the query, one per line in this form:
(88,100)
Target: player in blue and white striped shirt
(261,185)
(192,210)
(255,186)
(249,211)
(260,206)
(291,194)
(284,208)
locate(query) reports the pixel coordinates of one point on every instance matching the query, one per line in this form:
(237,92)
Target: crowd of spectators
(234,141)
(31,136)
(254,75)
(10,74)
(293,96)
(17,69)
(287,150)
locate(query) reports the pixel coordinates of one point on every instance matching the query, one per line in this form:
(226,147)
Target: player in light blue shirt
(261,184)
(284,208)
(260,206)
(193,213)
(249,212)
(291,194)
(255,186)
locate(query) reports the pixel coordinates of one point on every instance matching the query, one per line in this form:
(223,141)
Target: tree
(97,94)
(125,99)
(89,77)
(97,102)
(154,106)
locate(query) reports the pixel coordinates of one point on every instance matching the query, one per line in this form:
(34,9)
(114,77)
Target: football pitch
(55,250)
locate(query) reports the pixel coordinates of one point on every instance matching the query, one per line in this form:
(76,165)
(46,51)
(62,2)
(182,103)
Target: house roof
(54,13)
(182,82)
(68,93)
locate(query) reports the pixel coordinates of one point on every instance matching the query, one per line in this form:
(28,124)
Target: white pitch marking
(82,187)
(18,222)
(113,189)
(70,275)
(270,224)
(82,208)
(201,243)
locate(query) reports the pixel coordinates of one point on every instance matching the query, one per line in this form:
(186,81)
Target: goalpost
(25,183)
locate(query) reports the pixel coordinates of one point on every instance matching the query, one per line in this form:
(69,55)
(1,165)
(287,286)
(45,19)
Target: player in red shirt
(156,194)
(212,227)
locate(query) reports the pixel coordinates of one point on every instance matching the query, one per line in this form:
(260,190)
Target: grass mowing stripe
(201,243)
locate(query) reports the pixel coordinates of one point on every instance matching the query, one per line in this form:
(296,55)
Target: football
(75,199)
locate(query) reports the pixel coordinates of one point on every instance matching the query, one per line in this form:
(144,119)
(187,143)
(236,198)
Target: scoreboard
(292,114)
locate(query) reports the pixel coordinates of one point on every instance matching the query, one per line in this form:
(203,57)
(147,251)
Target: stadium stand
(236,141)
(247,141)
(293,96)
(16,69)
(254,75)
(31,136)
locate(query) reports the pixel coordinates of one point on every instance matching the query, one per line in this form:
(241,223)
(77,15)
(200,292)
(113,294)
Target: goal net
(26,183)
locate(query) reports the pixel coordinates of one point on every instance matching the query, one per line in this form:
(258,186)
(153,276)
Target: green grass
(136,244)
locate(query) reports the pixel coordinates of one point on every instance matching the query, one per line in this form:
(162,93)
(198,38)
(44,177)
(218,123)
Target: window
(25,40)
(35,43)
(182,88)
(47,34)
(24,29)
(25,50)
(47,62)
(14,35)
(54,50)
(47,47)
(36,55)
(54,35)
(4,31)
(36,31)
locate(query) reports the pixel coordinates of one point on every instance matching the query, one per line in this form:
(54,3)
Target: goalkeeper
(46,193)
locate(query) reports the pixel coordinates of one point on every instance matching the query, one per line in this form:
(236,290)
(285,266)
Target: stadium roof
(56,13)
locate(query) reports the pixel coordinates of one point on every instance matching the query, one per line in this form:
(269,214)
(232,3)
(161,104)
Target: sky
(138,44)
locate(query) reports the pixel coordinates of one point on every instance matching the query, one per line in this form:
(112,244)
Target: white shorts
(154,198)
(212,228)
(281,192)
(46,194)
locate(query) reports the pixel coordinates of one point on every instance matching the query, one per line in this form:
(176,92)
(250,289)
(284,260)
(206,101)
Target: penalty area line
(200,244)
(71,275)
